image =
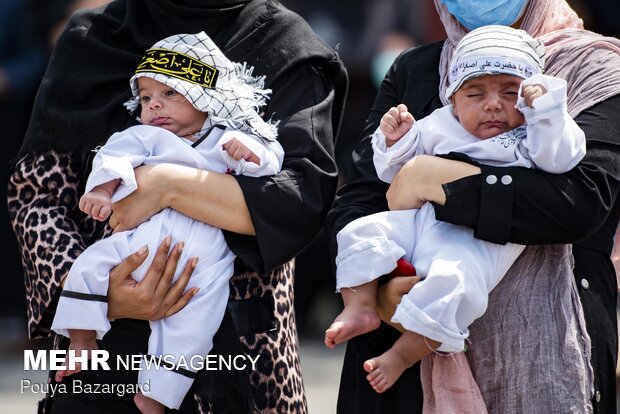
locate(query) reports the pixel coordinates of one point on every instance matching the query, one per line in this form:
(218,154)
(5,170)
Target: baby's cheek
(516,120)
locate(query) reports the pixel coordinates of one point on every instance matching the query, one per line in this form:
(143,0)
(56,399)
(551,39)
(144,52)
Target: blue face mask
(477,13)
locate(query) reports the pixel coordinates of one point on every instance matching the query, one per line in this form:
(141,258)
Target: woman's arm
(530,206)
(210,197)
(425,174)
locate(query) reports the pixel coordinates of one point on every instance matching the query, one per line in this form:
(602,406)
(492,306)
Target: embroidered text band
(179,66)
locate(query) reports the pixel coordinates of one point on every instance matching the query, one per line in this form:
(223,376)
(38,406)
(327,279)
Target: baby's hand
(97,204)
(531,92)
(238,151)
(395,123)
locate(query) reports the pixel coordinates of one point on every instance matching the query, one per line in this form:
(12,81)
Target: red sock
(403,268)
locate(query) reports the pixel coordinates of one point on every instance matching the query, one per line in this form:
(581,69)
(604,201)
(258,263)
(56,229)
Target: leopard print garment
(52,232)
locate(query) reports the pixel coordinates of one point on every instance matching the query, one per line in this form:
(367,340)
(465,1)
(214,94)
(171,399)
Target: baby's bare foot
(148,405)
(384,370)
(352,321)
(82,341)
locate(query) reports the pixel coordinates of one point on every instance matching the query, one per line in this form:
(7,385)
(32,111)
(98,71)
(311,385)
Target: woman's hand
(152,298)
(213,198)
(145,202)
(390,294)
(421,179)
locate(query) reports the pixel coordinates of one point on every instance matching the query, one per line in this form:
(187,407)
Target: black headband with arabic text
(178,65)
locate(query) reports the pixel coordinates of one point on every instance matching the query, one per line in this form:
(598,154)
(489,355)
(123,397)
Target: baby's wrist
(391,142)
(102,190)
(82,335)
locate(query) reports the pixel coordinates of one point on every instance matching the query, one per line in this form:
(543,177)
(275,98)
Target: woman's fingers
(174,299)
(390,294)
(402,285)
(181,302)
(125,295)
(157,267)
(124,269)
(153,298)
(165,280)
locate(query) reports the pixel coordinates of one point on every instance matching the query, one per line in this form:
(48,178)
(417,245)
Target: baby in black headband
(198,109)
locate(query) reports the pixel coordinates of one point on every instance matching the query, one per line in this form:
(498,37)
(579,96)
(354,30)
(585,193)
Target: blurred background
(368,35)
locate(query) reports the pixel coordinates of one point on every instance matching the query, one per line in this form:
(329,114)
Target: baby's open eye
(171,92)
(145,99)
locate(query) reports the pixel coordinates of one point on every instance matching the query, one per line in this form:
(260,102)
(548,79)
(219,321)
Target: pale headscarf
(588,61)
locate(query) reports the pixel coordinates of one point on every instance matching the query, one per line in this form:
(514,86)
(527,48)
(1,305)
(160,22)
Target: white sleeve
(554,142)
(388,161)
(271,154)
(116,159)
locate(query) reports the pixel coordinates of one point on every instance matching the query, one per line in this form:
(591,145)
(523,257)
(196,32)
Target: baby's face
(164,107)
(485,105)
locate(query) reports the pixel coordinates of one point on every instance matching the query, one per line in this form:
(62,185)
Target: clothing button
(491,179)
(506,179)
(598,396)
(585,284)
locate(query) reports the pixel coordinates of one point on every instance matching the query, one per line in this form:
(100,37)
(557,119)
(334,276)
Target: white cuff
(110,168)
(366,261)
(89,315)
(551,104)
(413,319)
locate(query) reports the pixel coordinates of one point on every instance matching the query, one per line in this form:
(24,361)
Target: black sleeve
(413,80)
(288,209)
(528,206)
(364,193)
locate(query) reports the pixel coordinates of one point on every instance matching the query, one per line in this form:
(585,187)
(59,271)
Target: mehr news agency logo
(45,360)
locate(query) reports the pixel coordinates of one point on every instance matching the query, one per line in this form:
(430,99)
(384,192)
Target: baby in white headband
(198,109)
(503,112)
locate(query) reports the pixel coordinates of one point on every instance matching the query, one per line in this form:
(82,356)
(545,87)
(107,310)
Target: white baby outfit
(459,269)
(83,303)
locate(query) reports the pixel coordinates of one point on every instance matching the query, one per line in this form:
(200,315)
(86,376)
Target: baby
(503,112)
(198,109)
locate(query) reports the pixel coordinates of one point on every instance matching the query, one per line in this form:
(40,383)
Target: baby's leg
(384,370)
(358,316)
(148,405)
(370,246)
(460,272)
(81,341)
(367,248)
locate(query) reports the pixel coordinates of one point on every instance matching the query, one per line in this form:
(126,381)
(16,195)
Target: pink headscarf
(588,61)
